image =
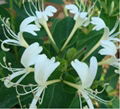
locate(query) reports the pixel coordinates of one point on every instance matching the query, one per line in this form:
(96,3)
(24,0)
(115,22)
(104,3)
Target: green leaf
(62,30)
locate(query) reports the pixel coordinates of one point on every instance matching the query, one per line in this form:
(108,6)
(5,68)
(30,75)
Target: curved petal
(88,100)
(31,28)
(26,21)
(36,98)
(30,54)
(27,27)
(98,22)
(92,72)
(72,8)
(83,14)
(109,48)
(44,67)
(81,69)
(50,10)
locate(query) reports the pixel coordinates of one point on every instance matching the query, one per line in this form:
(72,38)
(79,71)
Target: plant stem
(71,84)
(53,81)
(104,37)
(50,37)
(70,36)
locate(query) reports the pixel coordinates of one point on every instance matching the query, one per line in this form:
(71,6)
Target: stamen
(4,32)
(8,26)
(80,102)
(98,98)
(31,9)
(26,10)
(115,27)
(96,91)
(43,94)
(19,101)
(34,5)
(21,94)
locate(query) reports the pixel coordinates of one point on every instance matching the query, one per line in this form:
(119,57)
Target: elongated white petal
(114,39)
(31,28)
(44,67)
(26,22)
(88,100)
(30,54)
(109,48)
(9,42)
(83,14)
(41,16)
(72,8)
(33,105)
(7,81)
(27,27)
(92,72)
(81,68)
(98,22)
(50,10)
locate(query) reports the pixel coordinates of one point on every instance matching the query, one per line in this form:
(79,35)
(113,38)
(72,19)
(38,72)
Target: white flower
(80,17)
(17,39)
(48,12)
(87,76)
(25,26)
(98,22)
(113,61)
(28,58)
(43,69)
(109,48)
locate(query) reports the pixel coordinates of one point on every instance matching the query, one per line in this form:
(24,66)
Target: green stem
(50,37)
(105,36)
(52,82)
(70,36)
(72,84)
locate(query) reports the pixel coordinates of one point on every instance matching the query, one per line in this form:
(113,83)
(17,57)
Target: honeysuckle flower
(108,38)
(98,22)
(79,16)
(109,48)
(28,58)
(87,76)
(25,26)
(81,19)
(17,39)
(41,16)
(44,67)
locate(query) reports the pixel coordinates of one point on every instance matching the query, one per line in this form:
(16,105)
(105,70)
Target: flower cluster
(35,61)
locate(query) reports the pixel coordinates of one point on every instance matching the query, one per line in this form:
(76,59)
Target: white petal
(44,67)
(109,48)
(72,8)
(98,22)
(50,10)
(83,14)
(25,22)
(114,39)
(81,68)
(30,54)
(31,28)
(92,72)
(39,14)
(88,100)
(36,98)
